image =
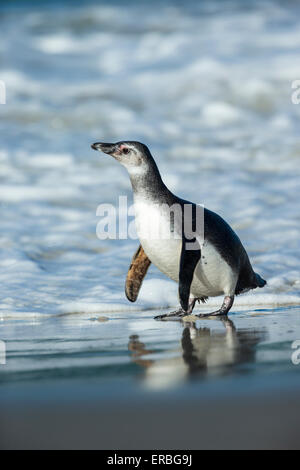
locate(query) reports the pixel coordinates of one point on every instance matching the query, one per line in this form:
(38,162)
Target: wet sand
(132,382)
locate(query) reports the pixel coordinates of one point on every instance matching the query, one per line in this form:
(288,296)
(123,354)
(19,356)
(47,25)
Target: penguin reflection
(204,352)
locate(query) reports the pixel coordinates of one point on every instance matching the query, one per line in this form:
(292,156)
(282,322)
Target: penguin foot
(180,313)
(217,313)
(176,313)
(223,311)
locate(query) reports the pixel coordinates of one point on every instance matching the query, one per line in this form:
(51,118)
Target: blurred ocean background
(207,86)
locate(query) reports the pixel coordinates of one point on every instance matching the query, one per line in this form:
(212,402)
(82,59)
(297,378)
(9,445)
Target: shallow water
(132,382)
(140,352)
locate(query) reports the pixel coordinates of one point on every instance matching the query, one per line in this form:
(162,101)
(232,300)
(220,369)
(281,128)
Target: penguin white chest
(212,276)
(158,240)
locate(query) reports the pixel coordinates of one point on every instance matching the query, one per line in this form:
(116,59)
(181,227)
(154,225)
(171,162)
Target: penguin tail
(246,284)
(260,282)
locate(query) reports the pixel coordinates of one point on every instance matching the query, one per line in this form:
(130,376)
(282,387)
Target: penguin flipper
(190,256)
(136,273)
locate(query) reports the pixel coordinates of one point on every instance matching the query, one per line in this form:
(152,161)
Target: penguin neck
(147,184)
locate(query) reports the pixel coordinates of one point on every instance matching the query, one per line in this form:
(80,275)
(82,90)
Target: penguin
(205,263)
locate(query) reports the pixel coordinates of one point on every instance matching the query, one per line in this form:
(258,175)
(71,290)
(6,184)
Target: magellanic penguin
(215,265)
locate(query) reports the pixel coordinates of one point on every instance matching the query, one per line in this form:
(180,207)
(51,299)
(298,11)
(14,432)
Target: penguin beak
(103,147)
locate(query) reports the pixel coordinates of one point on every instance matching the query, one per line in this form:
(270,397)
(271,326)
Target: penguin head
(135,156)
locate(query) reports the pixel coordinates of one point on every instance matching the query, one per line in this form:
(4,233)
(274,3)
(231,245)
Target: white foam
(209,90)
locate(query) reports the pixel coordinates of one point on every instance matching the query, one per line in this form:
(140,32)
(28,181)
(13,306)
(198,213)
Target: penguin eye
(125,151)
